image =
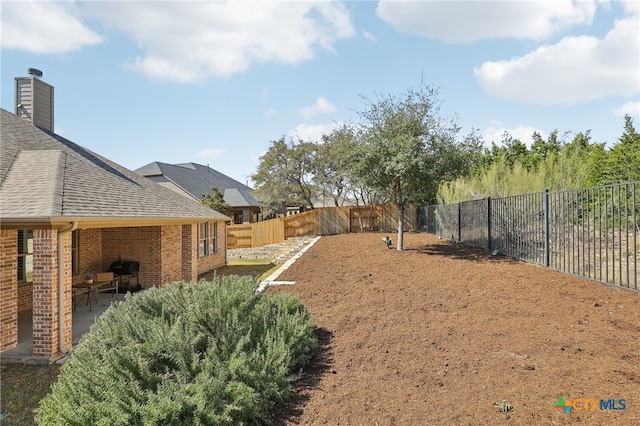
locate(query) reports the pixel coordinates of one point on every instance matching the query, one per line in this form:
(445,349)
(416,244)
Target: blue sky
(215,82)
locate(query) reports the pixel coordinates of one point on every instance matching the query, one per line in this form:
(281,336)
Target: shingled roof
(196,180)
(47,178)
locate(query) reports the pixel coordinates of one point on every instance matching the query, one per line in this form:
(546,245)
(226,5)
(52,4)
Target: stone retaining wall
(276,253)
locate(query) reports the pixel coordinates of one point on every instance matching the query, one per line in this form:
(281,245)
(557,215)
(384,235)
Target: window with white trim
(207,236)
(25,256)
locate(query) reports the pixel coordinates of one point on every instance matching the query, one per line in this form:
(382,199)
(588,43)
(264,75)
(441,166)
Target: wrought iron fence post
(459,222)
(545,207)
(489,223)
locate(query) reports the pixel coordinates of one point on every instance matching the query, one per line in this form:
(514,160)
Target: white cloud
(217,39)
(44,27)
(494,134)
(631,108)
(321,106)
(467,21)
(572,70)
(312,133)
(210,153)
(368,36)
(270,113)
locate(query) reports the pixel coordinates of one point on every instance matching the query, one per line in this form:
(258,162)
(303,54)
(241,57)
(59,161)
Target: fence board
(267,232)
(322,221)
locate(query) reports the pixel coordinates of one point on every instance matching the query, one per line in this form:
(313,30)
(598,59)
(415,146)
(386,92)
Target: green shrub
(189,354)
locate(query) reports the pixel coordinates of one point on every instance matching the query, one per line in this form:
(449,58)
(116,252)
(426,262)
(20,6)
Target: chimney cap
(34,72)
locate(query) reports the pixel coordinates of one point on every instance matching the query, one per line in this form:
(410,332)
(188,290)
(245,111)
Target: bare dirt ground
(441,332)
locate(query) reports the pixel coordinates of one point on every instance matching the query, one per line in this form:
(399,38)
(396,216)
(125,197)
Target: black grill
(124,270)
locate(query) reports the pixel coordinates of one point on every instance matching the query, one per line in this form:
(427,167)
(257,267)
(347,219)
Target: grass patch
(22,387)
(247,268)
(245,262)
(268,272)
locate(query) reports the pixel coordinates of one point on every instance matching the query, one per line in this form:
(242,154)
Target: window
(213,237)
(25,256)
(237,218)
(207,236)
(74,253)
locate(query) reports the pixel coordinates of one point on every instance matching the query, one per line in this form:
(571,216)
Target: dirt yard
(439,333)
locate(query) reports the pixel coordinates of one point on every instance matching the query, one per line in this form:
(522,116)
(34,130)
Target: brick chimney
(34,100)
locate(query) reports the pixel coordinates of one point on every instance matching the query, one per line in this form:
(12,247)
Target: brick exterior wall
(8,288)
(90,254)
(171,255)
(45,300)
(68,298)
(189,253)
(166,254)
(141,244)
(25,296)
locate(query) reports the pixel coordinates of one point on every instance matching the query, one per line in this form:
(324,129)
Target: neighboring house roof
(197,180)
(45,178)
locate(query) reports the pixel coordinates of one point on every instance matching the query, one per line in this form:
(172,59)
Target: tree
(401,141)
(623,161)
(215,200)
(285,175)
(332,160)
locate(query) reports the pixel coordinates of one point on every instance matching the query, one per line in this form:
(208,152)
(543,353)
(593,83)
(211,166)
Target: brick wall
(218,259)
(171,258)
(68,283)
(166,253)
(90,254)
(142,244)
(189,253)
(45,300)
(8,288)
(25,296)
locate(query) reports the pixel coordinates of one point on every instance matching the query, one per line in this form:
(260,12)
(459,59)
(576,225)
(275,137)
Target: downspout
(61,300)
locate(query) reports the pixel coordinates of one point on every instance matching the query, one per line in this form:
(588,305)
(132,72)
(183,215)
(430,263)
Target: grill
(124,271)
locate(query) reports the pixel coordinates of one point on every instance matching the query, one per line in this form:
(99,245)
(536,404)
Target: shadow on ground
(462,251)
(312,374)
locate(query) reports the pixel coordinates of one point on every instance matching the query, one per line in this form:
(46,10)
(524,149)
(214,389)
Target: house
(195,180)
(66,212)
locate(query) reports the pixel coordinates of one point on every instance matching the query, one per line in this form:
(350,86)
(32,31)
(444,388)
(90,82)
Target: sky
(216,82)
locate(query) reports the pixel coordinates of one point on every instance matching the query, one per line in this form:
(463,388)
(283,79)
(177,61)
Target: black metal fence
(590,232)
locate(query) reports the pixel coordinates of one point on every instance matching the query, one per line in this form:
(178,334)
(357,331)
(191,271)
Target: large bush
(189,354)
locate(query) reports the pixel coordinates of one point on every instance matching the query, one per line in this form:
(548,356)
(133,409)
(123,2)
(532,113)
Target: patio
(82,319)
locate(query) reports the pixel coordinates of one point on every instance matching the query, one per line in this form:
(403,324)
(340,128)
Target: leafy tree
(541,149)
(332,162)
(285,175)
(215,200)
(623,161)
(405,147)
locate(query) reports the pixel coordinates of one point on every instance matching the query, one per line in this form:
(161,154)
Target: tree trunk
(400,227)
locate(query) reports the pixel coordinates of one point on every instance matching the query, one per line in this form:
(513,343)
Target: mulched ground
(439,333)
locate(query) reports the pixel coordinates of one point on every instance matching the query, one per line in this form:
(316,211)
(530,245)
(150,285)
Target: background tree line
(556,163)
(404,151)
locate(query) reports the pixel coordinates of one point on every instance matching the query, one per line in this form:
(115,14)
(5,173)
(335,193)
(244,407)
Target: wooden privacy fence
(321,221)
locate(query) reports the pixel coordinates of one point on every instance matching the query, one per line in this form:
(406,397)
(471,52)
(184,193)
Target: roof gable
(70,181)
(197,180)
